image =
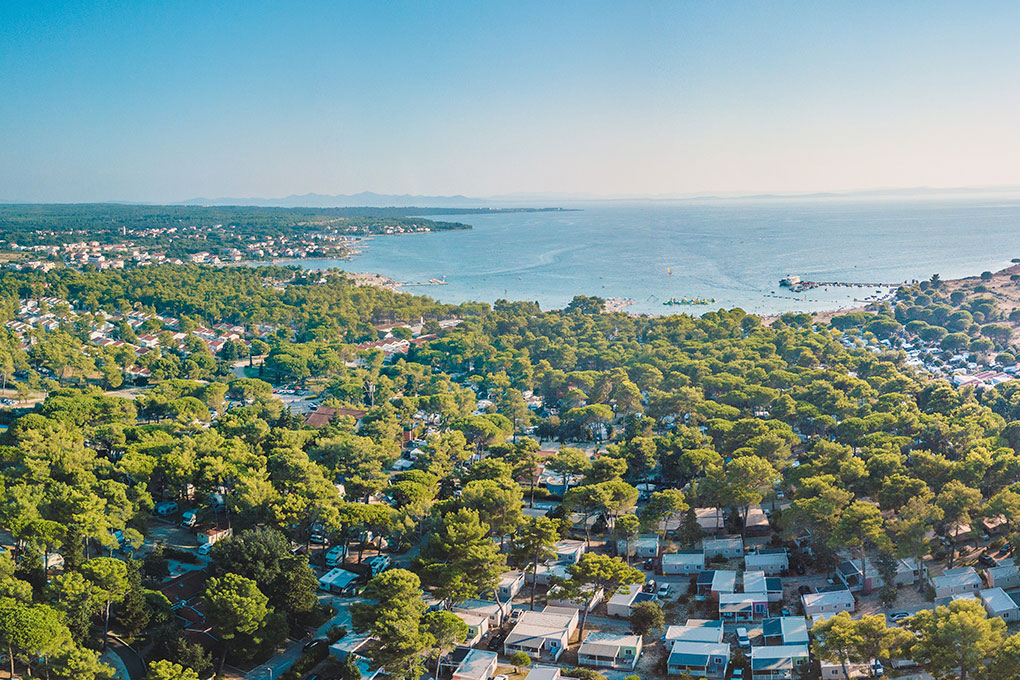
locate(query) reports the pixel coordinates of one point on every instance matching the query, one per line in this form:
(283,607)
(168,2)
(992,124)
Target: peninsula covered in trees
(209,462)
(121,235)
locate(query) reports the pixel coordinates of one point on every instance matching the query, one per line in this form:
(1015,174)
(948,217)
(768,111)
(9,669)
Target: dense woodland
(197,228)
(719,410)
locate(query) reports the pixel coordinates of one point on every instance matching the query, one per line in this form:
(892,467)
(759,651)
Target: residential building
(785,630)
(695,630)
(542,635)
(700,659)
(908,571)
(477,624)
(956,582)
(742,606)
(772,561)
(730,547)
(544,673)
(828,602)
(510,583)
(621,603)
(487,608)
(603,649)
(780,662)
(642,547)
(683,562)
(711,521)
(715,581)
(1005,576)
(569,551)
(478,664)
(1000,603)
(756,525)
(557,598)
(834,671)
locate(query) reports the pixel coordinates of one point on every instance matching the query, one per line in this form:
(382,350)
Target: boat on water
(688,301)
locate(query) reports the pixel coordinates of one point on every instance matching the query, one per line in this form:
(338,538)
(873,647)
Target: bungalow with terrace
(699,659)
(780,662)
(542,635)
(603,649)
(742,606)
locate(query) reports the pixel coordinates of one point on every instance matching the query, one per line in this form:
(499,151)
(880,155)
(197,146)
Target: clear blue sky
(163,101)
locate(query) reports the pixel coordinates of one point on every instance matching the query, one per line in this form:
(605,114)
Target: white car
(664,590)
(743,639)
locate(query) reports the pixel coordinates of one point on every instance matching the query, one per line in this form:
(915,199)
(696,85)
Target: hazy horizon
(166,103)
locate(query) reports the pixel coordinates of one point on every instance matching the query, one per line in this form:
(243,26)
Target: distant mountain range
(366,199)
(371,199)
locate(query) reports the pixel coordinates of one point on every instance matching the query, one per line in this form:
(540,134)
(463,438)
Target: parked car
(898,616)
(800,569)
(205,549)
(664,590)
(804,590)
(312,644)
(738,674)
(189,518)
(785,612)
(1005,550)
(649,586)
(743,639)
(650,564)
(987,560)
(494,643)
(877,668)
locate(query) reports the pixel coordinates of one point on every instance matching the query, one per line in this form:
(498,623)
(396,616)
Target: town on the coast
(268,472)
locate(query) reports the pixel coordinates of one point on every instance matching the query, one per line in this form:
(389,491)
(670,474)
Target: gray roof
(793,629)
(776,657)
(697,653)
(603,643)
(964,577)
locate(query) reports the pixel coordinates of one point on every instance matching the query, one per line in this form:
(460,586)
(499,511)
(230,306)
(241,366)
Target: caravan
(334,556)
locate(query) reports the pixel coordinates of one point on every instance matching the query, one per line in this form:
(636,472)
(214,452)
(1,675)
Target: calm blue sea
(735,252)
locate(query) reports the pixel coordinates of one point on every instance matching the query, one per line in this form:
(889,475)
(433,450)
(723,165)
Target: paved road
(132,662)
(284,660)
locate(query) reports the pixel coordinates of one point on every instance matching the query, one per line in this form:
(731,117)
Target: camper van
(379,564)
(166,508)
(334,555)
